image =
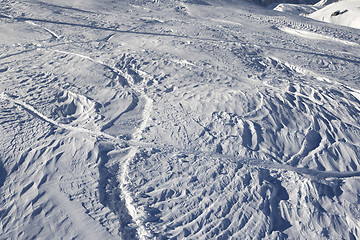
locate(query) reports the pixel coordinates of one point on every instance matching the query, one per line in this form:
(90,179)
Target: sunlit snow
(196,119)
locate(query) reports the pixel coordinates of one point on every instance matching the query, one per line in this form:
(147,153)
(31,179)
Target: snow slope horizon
(340,12)
(172,120)
(344,13)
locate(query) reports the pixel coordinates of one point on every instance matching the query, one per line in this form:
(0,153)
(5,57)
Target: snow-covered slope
(176,120)
(274,2)
(345,12)
(296,9)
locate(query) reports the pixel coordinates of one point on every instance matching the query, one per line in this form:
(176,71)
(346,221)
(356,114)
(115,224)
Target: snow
(341,12)
(346,13)
(179,120)
(295,9)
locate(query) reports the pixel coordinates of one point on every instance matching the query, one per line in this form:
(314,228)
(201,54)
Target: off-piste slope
(340,12)
(344,12)
(157,120)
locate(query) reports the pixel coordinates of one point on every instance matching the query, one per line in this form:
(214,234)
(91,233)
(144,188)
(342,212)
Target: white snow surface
(345,12)
(340,12)
(177,120)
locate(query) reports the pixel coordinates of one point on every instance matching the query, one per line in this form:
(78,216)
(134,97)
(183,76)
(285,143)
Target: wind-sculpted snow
(212,197)
(176,120)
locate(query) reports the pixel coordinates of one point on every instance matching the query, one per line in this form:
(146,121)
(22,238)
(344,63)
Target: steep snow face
(346,12)
(156,120)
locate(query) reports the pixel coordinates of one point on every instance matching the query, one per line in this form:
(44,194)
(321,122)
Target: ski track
(136,214)
(53,34)
(34,112)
